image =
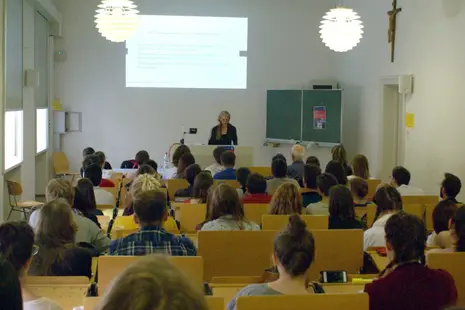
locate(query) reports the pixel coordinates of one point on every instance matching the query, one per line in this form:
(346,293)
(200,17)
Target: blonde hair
(298,152)
(60,188)
(218,129)
(152,283)
(360,166)
(143,183)
(286,200)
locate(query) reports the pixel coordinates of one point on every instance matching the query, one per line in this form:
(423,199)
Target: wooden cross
(392,27)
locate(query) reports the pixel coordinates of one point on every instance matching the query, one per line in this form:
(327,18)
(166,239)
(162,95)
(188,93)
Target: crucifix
(392,27)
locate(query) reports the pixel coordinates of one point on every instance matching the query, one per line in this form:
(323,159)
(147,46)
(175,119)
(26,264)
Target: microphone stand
(115,209)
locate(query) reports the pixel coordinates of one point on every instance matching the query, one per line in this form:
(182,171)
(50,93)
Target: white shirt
(228,223)
(318,208)
(407,190)
(102,197)
(41,304)
(215,168)
(375,236)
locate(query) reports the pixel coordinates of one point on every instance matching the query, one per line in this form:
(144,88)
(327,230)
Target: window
(42,129)
(13,138)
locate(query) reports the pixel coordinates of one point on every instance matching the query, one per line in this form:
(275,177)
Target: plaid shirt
(152,239)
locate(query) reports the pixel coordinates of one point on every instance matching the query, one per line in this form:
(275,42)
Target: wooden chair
(279,222)
(116,177)
(233,183)
(105,207)
(264,171)
(118,232)
(61,165)
(305,302)
(235,253)
(191,215)
(369,211)
(415,209)
(112,190)
(175,184)
(429,209)
(214,303)
(110,266)
(372,185)
(91,302)
(427,199)
(454,264)
(255,211)
(24,206)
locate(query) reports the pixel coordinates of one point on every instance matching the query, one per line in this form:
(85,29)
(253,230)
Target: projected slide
(188,52)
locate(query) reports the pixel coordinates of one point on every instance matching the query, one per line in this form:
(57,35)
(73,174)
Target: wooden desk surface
(380,261)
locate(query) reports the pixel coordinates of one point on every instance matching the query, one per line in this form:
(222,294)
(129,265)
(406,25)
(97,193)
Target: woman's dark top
(230,136)
(348,169)
(310,197)
(336,223)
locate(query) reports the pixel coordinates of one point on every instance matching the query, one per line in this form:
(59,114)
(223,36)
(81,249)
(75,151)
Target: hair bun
(297,226)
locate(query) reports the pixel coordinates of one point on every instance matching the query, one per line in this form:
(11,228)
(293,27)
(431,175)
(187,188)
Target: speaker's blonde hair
(218,128)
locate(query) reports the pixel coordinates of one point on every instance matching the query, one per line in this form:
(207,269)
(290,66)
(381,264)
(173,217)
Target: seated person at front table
(242,174)
(286,200)
(388,202)
(337,170)
(400,179)
(102,197)
(450,187)
(202,183)
(225,210)
(341,209)
(185,161)
(407,283)
(150,211)
(103,160)
(293,254)
(91,159)
(141,158)
(359,190)
(256,190)
(311,173)
(442,215)
(103,163)
(217,166)
(324,182)
(191,172)
(296,169)
(313,160)
(278,170)
(224,133)
(228,159)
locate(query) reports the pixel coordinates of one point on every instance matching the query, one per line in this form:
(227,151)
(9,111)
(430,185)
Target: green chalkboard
(284,115)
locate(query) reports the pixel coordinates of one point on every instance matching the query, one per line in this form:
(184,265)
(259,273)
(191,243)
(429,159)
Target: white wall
(430,46)
(284,52)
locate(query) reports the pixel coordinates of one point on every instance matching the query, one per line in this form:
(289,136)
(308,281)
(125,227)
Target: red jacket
(107,183)
(256,198)
(413,287)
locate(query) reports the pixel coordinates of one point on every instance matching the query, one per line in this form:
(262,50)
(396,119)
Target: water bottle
(166,162)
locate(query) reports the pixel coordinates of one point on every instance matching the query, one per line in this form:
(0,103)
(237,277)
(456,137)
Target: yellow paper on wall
(56,105)
(409,120)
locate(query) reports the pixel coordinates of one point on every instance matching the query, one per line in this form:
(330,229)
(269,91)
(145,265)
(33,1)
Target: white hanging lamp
(117,20)
(341,29)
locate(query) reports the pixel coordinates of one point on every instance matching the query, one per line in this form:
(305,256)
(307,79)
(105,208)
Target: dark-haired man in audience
(311,195)
(296,169)
(190,174)
(324,181)
(450,187)
(400,179)
(279,170)
(256,190)
(217,166)
(228,160)
(150,213)
(94,173)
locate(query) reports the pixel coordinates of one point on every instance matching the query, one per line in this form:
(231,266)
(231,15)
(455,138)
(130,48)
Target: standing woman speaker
(224,133)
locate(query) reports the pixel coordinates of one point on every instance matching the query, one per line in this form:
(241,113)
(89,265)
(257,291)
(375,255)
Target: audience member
(337,170)
(313,160)
(153,164)
(450,187)
(190,173)
(153,282)
(400,179)
(17,247)
(102,197)
(225,211)
(103,160)
(10,292)
(185,161)
(279,170)
(324,182)
(339,155)
(151,213)
(242,174)
(146,169)
(293,254)
(341,209)
(407,283)
(55,236)
(87,151)
(256,190)
(228,160)
(458,229)
(442,216)
(82,206)
(311,173)
(287,200)
(88,231)
(202,183)
(178,153)
(141,158)
(359,190)
(91,159)
(217,166)
(86,188)
(360,167)
(388,202)
(296,169)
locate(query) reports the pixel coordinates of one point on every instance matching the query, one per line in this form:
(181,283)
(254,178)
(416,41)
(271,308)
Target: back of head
(401,175)
(387,198)
(60,188)
(203,182)
(361,167)
(242,174)
(256,184)
(152,283)
(324,182)
(339,154)
(279,168)
(217,154)
(406,233)
(458,225)
(279,156)
(286,200)
(313,160)
(180,150)
(92,159)
(10,287)
(228,159)
(451,185)
(150,207)
(88,151)
(294,247)
(16,242)
(311,173)
(442,214)
(185,161)
(359,187)
(86,188)
(337,170)
(191,172)
(142,157)
(145,169)
(153,164)
(224,200)
(94,174)
(144,182)
(298,152)
(341,204)
(101,157)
